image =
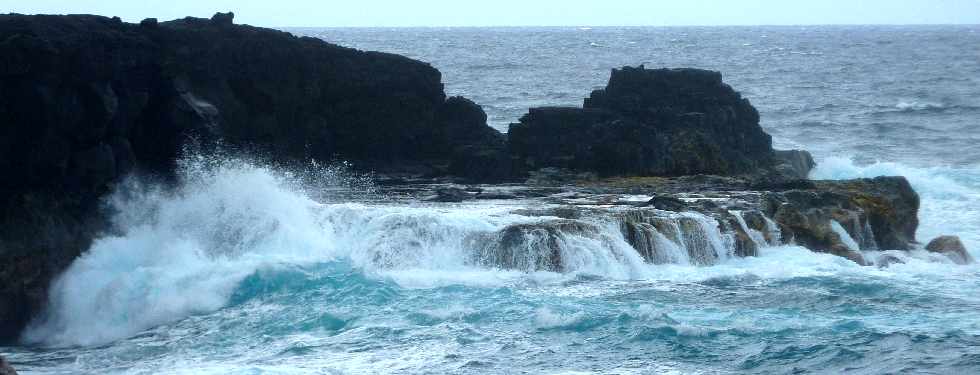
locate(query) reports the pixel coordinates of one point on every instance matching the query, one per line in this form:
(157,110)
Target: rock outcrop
(85,100)
(952,247)
(647,122)
(878,213)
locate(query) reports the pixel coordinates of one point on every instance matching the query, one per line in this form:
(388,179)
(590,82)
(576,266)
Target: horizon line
(522,25)
(611,26)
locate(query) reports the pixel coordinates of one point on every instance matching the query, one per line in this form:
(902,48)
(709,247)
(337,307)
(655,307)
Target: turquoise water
(328,318)
(241,272)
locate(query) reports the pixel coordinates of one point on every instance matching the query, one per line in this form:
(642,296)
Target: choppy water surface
(248,269)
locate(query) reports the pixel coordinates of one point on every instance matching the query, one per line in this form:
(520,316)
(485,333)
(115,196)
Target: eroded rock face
(952,247)
(647,122)
(879,213)
(85,100)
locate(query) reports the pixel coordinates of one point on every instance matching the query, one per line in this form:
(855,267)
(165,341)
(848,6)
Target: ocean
(253,269)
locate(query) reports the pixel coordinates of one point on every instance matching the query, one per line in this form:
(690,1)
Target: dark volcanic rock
(479,153)
(790,170)
(952,247)
(665,203)
(450,194)
(86,99)
(650,123)
(878,213)
(798,163)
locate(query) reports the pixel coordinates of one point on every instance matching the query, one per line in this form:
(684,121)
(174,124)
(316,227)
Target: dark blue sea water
(245,270)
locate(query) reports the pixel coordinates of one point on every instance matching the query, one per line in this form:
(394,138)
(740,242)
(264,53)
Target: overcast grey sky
(526,12)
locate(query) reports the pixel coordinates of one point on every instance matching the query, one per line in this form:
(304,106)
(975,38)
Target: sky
(393,13)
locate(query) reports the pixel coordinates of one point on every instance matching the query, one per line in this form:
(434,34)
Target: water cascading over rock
(587,236)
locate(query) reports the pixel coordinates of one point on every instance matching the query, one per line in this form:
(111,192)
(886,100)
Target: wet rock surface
(879,213)
(701,219)
(952,247)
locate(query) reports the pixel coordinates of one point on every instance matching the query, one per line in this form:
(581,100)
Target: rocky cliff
(85,100)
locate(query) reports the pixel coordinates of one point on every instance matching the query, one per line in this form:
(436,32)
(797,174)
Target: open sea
(248,269)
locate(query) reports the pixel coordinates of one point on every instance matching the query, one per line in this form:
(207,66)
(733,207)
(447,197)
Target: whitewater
(247,267)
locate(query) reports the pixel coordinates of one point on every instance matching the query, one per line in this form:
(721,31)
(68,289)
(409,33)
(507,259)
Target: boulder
(952,247)
(789,170)
(797,163)
(647,122)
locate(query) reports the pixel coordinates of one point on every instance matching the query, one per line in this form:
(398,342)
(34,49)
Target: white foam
(545,318)
(180,254)
(756,236)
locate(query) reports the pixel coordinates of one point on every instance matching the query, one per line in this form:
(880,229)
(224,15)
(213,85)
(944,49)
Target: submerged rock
(952,247)
(647,122)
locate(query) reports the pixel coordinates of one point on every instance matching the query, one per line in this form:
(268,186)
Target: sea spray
(180,252)
(845,238)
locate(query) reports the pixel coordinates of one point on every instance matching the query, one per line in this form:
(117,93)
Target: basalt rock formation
(84,100)
(647,122)
(878,213)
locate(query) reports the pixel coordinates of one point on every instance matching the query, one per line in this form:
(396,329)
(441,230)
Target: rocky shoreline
(88,100)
